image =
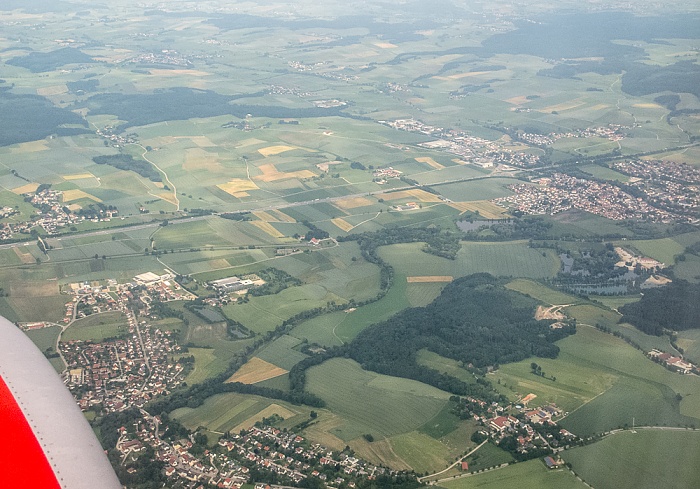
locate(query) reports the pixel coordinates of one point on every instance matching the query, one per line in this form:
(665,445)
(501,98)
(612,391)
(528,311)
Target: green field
(527,475)
(640,460)
(281,352)
(223,412)
(603,382)
(371,403)
(489,455)
(664,250)
(97,327)
(514,259)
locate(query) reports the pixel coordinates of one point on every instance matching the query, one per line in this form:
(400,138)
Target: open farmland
(97,327)
(652,458)
(514,259)
(371,403)
(225,412)
(256,370)
(527,475)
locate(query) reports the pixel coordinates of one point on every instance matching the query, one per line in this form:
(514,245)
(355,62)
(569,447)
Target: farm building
(231,284)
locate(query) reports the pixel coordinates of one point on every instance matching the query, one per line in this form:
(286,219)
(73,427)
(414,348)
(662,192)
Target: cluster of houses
(612,132)
(562,192)
(229,464)
(52,215)
(124,372)
(471,149)
(672,362)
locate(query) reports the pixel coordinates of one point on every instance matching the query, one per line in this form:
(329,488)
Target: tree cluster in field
(437,242)
(475,320)
(40,118)
(510,229)
(40,62)
(236,216)
(675,307)
(127,162)
(314,232)
(275,281)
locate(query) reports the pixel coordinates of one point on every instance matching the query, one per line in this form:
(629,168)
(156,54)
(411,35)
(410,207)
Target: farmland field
(371,403)
(225,138)
(650,458)
(499,259)
(225,412)
(527,475)
(97,327)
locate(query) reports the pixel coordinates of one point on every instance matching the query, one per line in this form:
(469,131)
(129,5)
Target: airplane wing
(47,443)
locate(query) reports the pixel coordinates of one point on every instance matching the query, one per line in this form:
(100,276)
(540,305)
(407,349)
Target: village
(53,215)
(283,455)
(471,149)
(561,192)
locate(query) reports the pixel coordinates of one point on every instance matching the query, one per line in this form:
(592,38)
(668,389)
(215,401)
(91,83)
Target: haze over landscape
(362,244)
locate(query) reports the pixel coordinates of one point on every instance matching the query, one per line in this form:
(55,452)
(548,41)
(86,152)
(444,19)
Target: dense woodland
(674,307)
(475,320)
(186,103)
(127,162)
(40,118)
(38,62)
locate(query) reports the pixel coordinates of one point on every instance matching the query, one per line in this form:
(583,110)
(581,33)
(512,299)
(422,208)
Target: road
(459,461)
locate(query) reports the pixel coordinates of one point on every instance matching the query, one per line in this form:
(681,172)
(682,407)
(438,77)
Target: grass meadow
(97,327)
(646,458)
(527,475)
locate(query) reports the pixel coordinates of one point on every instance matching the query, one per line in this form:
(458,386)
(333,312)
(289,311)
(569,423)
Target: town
(659,200)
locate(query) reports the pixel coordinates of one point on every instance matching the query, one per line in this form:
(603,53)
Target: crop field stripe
(429,279)
(342,224)
(268,228)
(256,370)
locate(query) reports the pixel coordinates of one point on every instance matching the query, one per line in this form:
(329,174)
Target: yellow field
(25,189)
(598,107)
(486,209)
(647,106)
(430,161)
(519,100)
(168,197)
(459,76)
(256,370)
(571,104)
(24,256)
(271,174)
(240,195)
(385,45)
(77,176)
(429,279)
(342,224)
(419,194)
(171,73)
(268,228)
(30,147)
(275,150)
(70,195)
(265,413)
(237,185)
(200,159)
(281,216)
(264,216)
(458,161)
(352,203)
(54,90)
(248,142)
